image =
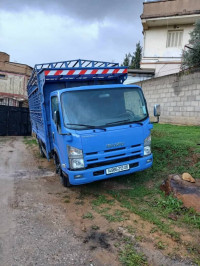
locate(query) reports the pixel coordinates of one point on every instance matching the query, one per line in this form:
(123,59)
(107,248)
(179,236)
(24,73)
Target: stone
(187,192)
(188,177)
(177,177)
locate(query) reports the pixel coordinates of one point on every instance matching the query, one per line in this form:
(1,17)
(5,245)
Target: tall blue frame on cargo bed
(39,105)
(78,64)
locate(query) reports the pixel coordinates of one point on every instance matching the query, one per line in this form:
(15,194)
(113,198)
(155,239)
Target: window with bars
(174,38)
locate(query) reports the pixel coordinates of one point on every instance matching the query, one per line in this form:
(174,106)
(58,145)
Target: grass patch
(67,201)
(130,257)
(88,215)
(101,210)
(145,213)
(101,199)
(30,141)
(170,204)
(130,229)
(95,227)
(154,230)
(192,218)
(117,216)
(161,245)
(172,147)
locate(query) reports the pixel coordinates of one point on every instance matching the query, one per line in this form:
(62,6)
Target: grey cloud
(117,28)
(86,10)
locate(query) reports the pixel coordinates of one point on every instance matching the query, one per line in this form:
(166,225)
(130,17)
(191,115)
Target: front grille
(112,156)
(120,160)
(91,153)
(92,160)
(119,155)
(117,149)
(134,146)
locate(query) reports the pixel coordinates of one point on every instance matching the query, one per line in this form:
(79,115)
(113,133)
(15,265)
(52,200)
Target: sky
(40,31)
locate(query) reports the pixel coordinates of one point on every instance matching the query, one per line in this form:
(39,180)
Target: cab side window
(54,105)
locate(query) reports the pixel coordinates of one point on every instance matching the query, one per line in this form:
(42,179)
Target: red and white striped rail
(85,72)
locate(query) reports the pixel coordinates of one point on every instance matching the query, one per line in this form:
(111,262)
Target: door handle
(53,136)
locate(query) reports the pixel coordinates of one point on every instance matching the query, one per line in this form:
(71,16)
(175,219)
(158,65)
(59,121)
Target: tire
(64,180)
(41,151)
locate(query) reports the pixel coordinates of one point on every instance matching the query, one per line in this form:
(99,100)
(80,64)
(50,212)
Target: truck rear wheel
(64,179)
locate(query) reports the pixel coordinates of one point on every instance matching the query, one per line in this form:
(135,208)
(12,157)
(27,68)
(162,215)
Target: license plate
(117,169)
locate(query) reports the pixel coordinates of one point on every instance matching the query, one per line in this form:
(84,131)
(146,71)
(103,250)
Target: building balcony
(170,12)
(168,8)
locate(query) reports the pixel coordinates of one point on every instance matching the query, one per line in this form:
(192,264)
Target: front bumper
(99,173)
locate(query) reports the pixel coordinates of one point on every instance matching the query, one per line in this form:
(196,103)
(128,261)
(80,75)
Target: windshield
(102,108)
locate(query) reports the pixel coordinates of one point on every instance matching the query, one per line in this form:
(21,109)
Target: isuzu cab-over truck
(88,121)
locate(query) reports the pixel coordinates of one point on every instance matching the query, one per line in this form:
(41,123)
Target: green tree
(127,60)
(191,56)
(133,61)
(137,57)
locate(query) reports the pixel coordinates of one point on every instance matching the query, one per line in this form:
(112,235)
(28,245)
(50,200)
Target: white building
(166,28)
(13,81)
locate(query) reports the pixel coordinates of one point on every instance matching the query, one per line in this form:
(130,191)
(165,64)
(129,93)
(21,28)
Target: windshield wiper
(87,126)
(137,122)
(124,121)
(118,122)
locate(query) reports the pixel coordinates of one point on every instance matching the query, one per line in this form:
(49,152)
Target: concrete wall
(163,68)
(178,95)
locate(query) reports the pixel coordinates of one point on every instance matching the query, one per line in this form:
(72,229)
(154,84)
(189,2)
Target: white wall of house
(13,84)
(155,41)
(165,60)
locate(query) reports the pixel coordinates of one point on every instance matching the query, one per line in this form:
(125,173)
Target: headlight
(75,157)
(74,152)
(76,163)
(147,146)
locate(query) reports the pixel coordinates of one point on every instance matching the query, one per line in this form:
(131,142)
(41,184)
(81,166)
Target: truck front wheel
(64,179)
(41,151)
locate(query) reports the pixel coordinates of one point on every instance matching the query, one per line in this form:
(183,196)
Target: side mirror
(56,117)
(157,111)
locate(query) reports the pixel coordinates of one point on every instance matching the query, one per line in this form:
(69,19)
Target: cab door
(57,138)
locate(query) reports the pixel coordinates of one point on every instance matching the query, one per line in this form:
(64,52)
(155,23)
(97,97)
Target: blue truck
(92,125)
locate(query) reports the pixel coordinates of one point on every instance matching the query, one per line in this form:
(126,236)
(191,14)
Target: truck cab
(95,131)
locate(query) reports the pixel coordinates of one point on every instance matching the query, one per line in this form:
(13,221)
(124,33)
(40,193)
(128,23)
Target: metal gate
(14,121)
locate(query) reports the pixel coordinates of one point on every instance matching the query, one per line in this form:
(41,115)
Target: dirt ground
(43,223)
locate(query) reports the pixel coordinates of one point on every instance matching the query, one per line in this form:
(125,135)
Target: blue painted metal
(74,64)
(97,157)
